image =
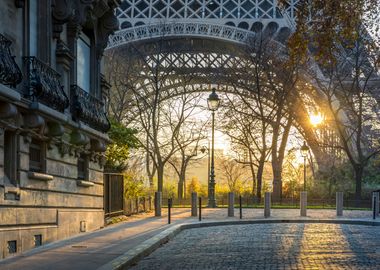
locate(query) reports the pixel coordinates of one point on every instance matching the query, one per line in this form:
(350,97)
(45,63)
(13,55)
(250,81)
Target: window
(12,246)
(38,240)
(82,167)
(84,62)
(33,28)
(36,156)
(10,157)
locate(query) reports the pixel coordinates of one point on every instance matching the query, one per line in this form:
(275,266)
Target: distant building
(52,119)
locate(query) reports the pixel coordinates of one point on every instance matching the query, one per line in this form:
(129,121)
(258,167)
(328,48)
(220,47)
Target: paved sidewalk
(94,249)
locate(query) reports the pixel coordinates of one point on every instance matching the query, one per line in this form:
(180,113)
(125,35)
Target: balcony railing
(88,109)
(44,84)
(10,73)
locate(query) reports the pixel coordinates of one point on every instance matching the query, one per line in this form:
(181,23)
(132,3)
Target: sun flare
(316,119)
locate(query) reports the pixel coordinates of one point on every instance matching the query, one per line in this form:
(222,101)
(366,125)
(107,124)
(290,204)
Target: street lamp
(205,149)
(213,102)
(304,152)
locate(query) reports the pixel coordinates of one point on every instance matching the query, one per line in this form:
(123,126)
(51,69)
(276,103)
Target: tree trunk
(180,189)
(277,181)
(160,178)
(184,188)
(358,184)
(181,182)
(260,171)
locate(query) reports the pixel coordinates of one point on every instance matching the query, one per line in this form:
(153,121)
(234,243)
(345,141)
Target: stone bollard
(375,196)
(303,203)
(157,203)
(339,204)
(194,199)
(150,203)
(267,204)
(231,201)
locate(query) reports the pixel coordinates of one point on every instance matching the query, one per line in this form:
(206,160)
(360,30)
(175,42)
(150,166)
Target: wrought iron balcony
(44,84)
(10,73)
(88,109)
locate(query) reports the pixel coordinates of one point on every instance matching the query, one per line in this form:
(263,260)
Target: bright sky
(222,141)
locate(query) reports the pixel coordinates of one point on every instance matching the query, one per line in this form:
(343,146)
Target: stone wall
(54,203)
(53,209)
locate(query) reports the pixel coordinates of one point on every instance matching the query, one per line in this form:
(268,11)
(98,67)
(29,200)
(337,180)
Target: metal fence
(250,202)
(113,194)
(115,203)
(138,205)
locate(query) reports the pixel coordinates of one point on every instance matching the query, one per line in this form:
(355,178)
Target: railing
(44,84)
(249,202)
(88,109)
(10,73)
(138,205)
(115,202)
(113,194)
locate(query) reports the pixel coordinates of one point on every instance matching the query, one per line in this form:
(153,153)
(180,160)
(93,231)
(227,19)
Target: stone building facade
(52,119)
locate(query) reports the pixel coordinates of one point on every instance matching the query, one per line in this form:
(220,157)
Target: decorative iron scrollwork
(45,85)
(10,73)
(88,109)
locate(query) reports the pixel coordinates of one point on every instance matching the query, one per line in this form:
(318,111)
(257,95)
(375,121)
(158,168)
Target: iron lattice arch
(233,20)
(203,63)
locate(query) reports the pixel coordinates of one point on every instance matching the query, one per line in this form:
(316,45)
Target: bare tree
(350,89)
(248,135)
(122,72)
(232,172)
(188,140)
(270,80)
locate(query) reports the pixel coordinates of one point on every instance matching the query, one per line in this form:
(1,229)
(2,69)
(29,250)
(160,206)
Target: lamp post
(213,102)
(205,149)
(304,152)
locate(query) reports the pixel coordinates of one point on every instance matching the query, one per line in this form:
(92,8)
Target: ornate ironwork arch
(233,20)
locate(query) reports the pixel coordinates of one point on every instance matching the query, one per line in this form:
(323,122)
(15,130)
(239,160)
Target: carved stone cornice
(83,11)
(63,11)
(107,25)
(100,8)
(33,121)
(94,14)
(76,12)
(64,148)
(7,110)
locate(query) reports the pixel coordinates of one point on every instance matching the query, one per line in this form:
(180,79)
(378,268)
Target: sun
(316,119)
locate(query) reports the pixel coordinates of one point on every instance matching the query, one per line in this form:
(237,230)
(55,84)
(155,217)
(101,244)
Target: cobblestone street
(270,246)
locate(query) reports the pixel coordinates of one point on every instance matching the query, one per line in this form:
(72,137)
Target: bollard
(157,203)
(374,207)
(169,210)
(375,204)
(150,203)
(231,201)
(240,209)
(200,209)
(339,204)
(267,204)
(303,203)
(194,204)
